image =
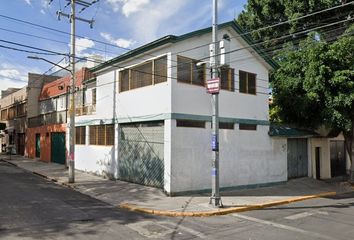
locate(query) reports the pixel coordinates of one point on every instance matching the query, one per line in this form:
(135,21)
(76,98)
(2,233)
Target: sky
(119,25)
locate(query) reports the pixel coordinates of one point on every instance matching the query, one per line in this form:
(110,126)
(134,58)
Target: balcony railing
(85,110)
(47,119)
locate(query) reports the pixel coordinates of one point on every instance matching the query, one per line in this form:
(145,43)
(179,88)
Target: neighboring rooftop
(59,86)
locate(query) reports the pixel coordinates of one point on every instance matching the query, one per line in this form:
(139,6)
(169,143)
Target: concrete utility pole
(215,199)
(70,156)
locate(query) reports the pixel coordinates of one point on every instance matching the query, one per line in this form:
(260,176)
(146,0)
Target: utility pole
(215,199)
(70,155)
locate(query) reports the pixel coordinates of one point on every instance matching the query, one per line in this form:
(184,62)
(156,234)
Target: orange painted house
(45,136)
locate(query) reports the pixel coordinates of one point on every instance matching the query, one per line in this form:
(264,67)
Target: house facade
(152,123)
(46,130)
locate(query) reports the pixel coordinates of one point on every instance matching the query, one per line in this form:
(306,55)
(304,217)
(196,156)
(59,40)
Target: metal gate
(58,147)
(338,160)
(141,153)
(297,158)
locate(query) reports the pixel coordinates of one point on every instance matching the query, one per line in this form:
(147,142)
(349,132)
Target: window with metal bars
(189,72)
(148,73)
(249,127)
(102,135)
(227,77)
(247,82)
(80,135)
(190,123)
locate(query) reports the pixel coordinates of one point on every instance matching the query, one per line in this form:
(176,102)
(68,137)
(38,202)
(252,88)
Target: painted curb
(218,212)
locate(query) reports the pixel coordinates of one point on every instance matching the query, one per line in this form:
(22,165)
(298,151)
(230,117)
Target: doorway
(297,158)
(58,147)
(38,145)
(318,162)
(338,159)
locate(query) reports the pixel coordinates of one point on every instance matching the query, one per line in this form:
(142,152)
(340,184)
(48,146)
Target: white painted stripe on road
(299,215)
(281,226)
(305,214)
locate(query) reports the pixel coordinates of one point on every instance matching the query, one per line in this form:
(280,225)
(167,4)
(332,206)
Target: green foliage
(262,13)
(314,84)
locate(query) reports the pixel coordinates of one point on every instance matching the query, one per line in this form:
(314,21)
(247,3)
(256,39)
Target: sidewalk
(151,200)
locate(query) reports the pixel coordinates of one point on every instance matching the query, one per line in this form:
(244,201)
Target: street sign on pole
(213,85)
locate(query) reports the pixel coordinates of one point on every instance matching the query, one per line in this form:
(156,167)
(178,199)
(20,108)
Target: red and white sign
(213,85)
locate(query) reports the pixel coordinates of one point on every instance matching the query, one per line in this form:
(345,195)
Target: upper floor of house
(53,99)
(14,104)
(168,76)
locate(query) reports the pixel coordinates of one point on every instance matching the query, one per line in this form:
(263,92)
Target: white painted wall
(101,160)
(246,158)
(194,99)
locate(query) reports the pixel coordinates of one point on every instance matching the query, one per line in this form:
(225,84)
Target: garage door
(141,153)
(297,158)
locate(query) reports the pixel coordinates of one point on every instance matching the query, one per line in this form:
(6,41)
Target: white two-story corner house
(152,123)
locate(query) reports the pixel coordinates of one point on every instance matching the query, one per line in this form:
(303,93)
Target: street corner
(220,211)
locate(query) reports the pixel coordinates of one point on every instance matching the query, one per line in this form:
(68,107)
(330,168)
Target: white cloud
(160,18)
(11,77)
(128,6)
(120,42)
(28,2)
(133,6)
(82,44)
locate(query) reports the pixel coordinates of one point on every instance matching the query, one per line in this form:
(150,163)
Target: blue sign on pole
(214,143)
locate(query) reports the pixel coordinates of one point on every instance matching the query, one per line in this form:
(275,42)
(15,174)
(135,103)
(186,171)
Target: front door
(297,158)
(338,161)
(21,143)
(38,145)
(58,147)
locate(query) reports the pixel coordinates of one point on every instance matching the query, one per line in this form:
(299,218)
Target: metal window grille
(80,135)
(190,123)
(226,125)
(102,135)
(250,127)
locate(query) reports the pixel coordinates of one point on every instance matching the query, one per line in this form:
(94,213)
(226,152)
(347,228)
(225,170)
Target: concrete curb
(222,211)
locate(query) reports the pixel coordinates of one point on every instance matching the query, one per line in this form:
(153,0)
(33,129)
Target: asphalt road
(34,208)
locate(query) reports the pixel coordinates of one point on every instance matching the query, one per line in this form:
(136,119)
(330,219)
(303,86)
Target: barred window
(226,125)
(94,96)
(80,135)
(145,74)
(190,123)
(247,82)
(227,76)
(102,135)
(250,127)
(189,72)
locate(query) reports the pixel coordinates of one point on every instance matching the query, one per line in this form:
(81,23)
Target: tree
(261,13)
(314,85)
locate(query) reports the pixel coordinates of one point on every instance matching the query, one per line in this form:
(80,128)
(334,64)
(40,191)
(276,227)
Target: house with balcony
(46,130)
(152,123)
